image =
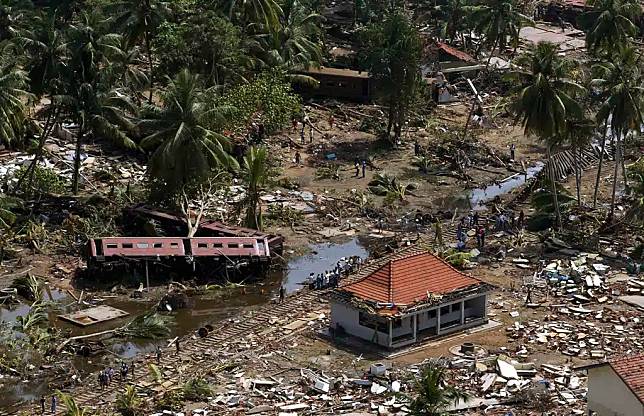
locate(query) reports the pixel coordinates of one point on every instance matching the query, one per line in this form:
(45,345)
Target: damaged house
(411,297)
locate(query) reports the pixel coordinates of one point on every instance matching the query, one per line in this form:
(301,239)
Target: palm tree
(255,173)
(137,19)
(434,395)
(46,51)
(451,17)
(620,82)
(294,45)
(496,20)
(545,99)
(182,135)
(95,106)
(125,71)
(13,111)
(578,133)
(265,12)
(609,24)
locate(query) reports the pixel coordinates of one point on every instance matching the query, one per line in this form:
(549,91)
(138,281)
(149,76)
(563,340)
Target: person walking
(54,402)
(528,299)
(475,219)
(364,167)
(282,294)
(298,158)
(331,121)
(356,165)
(42,405)
(513,148)
(294,123)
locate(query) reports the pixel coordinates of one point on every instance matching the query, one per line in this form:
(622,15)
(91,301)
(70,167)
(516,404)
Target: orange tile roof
(408,279)
(631,371)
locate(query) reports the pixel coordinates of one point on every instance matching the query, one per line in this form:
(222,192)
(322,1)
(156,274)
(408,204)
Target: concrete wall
(349,319)
(609,396)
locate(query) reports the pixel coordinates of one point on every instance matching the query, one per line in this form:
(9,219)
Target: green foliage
(329,171)
(392,50)
(28,286)
(206,44)
(389,187)
(268,99)
(155,372)
(150,325)
(183,136)
(13,110)
(71,408)
(128,403)
(36,316)
(171,400)
(423,163)
(279,214)
(542,199)
(456,258)
(255,174)
(45,181)
(636,188)
(197,389)
(433,394)
(496,20)
(7,205)
(610,24)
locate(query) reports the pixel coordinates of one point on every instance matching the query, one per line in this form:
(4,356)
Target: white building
(616,387)
(412,296)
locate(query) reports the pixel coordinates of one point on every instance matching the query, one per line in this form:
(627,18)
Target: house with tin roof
(616,387)
(408,297)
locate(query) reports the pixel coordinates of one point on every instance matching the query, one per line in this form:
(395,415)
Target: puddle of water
(475,199)
(323,257)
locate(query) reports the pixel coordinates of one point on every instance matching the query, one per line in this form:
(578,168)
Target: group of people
(331,278)
(502,222)
(358,164)
(106,376)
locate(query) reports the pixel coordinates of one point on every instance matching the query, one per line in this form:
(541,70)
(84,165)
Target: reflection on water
(209,308)
(475,199)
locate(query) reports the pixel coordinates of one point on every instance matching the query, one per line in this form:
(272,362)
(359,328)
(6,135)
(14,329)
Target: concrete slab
(94,315)
(634,300)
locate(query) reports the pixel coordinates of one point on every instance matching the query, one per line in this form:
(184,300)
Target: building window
(397,323)
(456,307)
(431,314)
(445,310)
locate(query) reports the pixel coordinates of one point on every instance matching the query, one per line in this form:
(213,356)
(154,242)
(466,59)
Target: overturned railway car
(202,256)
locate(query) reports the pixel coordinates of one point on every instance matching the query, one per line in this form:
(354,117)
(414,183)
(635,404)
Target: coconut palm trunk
(599,165)
(618,151)
(553,187)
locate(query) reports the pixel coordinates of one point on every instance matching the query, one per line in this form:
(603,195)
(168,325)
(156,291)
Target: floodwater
(476,199)
(210,308)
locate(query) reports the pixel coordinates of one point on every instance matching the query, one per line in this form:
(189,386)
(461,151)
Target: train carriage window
(246,245)
(158,245)
(174,244)
(233,245)
(127,245)
(218,245)
(142,245)
(202,245)
(112,245)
